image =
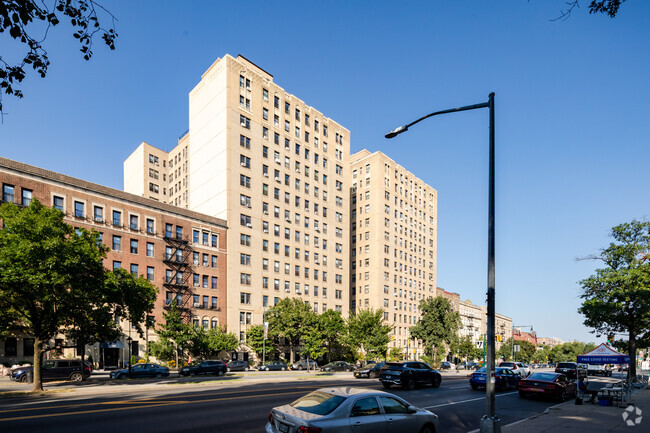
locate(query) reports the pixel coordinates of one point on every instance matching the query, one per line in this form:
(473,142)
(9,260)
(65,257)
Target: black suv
(572,370)
(238,366)
(53,369)
(409,374)
(370,370)
(206,367)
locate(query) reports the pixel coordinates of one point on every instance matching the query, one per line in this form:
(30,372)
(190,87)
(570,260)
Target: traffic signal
(499,338)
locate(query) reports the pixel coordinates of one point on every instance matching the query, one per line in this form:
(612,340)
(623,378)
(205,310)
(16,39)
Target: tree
(206,343)
(466,348)
(292,319)
(438,325)
(314,344)
(367,333)
(617,297)
(609,7)
(255,341)
(333,327)
(174,336)
(569,351)
(16,16)
(52,281)
(525,354)
(395,354)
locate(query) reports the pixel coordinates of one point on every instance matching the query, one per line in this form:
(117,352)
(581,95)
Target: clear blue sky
(572,125)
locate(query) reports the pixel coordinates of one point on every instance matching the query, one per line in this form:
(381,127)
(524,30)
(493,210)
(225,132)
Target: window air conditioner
(196,305)
(249,225)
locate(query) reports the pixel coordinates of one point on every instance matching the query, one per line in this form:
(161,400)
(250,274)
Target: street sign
(266,330)
(517,347)
(479,344)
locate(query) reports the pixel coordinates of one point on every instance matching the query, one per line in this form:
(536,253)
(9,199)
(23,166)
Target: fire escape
(177,258)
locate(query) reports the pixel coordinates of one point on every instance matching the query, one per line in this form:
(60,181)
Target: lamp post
(490,422)
(128,341)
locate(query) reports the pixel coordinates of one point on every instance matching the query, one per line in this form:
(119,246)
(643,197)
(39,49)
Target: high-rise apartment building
(276,170)
(145,172)
(393,239)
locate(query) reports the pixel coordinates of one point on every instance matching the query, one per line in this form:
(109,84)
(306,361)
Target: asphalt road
(237,407)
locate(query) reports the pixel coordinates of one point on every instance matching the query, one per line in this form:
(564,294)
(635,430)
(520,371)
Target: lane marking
(466,401)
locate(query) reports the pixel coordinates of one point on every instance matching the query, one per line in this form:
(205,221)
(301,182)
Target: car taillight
(471,376)
(271,418)
(304,429)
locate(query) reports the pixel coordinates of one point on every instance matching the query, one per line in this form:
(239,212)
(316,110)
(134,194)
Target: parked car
(624,367)
(238,366)
(345,409)
(53,369)
(446,365)
(206,367)
(572,370)
(141,370)
(409,374)
(370,370)
(273,366)
(504,378)
(302,365)
(546,384)
(337,366)
(517,367)
(466,365)
(599,369)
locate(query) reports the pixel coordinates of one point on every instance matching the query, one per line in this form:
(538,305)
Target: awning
(114,345)
(604,354)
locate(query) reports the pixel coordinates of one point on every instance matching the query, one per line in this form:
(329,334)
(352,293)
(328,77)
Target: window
(134,269)
(215,280)
(149,249)
(245,279)
(133,222)
(245,220)
(365,406)
(117,265)
(265,95)
(265,114)
(27,195)
(78,209)
(245,200)
(245,298)
(117,243)
(134,246)
(244,240)
(244,161)
(276,102)
(287,108)
(57,202)
(244,142)
(117,218)
(214,261)
(150,223)
(8,193)
(245,259)
(244,181)
(244,121)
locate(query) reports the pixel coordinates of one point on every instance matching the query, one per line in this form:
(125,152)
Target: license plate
(532,389)
(283,428)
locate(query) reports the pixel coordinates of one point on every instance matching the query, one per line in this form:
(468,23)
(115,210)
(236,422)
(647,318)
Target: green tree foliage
(526,351)
(52,281)
(395,354)
(292,319)
(569,351)
(15,19)
(467,349)
(616,299)
(207,343)
(334,329)
(542,355)
(438,326)
(255,341)
(367,333)
(174,337)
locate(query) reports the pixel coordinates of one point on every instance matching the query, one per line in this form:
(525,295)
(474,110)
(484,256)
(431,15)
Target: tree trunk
(37,377)
(632,352)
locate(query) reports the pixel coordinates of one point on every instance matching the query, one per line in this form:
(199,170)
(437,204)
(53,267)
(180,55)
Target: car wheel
(229,369)
(284,368)
(300,367)
(373,374)
(220,373)
(76,377)
(563,395)
(24,378)
(410,384)
(428,428)
(386,384)
(246,368)
(436,381)
(122,376)
(159,375)
(192,374)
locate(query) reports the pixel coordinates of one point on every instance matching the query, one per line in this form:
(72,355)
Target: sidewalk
(568,417)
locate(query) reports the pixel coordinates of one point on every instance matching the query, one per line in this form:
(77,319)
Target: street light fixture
(129,340)
(490,422)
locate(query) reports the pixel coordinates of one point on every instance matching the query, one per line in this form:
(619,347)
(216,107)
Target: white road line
(466,401)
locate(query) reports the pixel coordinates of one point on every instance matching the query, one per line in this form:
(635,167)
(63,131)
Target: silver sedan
(350,410)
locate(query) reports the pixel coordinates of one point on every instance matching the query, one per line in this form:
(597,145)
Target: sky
(572,129)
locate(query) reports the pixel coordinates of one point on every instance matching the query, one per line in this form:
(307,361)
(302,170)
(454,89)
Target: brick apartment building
(183,253)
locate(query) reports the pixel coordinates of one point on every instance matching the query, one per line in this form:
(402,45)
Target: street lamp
(490,422)
(129,340)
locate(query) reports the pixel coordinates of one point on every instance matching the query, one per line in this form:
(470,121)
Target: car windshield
(549,377)
(566,365)
(319,403)
(481,370)
(507,364)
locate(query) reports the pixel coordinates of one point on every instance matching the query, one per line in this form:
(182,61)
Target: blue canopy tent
(604,354)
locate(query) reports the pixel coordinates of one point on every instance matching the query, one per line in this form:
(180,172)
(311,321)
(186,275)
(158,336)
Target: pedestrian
(583,390)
